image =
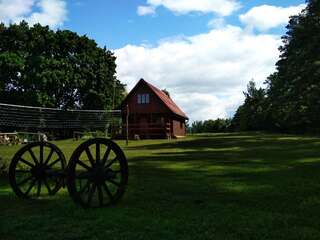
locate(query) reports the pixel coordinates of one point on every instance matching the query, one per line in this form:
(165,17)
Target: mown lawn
(221,186)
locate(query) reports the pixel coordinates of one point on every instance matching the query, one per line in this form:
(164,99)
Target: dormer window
(143,98)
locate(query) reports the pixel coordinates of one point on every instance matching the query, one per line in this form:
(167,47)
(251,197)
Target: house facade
(152,113)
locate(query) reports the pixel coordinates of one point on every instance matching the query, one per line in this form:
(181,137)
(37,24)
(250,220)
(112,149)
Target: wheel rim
(97,173)
(36,170)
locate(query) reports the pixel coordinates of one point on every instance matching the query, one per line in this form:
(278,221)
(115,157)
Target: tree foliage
(294,89)
(252,114)
(292,96)
(166,92)
(42,67)
(210,126)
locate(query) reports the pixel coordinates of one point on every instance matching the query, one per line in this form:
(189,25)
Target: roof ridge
(166,99)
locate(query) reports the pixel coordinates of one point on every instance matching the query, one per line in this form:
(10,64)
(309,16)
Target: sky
(204,52)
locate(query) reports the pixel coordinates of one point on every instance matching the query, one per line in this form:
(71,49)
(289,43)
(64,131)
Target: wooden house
(152,113)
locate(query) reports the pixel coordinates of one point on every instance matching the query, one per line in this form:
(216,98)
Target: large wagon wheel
(37,170)
(97,173)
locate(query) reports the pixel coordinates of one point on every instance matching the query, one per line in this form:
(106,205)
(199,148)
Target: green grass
(220,186)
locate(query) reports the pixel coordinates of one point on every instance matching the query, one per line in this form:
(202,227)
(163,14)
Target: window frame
(143,98)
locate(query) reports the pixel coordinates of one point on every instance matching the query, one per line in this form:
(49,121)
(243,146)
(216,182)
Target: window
(143,98)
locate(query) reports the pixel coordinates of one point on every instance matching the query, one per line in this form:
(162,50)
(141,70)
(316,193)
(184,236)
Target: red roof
(166,100)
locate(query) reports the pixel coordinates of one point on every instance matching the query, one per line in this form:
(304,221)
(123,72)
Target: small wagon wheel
(36,169)
(97,173)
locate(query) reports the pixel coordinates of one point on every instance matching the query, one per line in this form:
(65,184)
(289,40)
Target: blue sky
(204,52)
(116,23)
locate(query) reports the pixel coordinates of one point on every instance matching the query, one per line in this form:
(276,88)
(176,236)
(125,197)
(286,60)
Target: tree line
(291,100)
(210,126)
(60,69)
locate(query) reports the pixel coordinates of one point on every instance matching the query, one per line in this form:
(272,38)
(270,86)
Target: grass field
(221,186)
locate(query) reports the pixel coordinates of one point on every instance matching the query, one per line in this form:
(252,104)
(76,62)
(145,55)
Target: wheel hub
(99,174)
(40,171)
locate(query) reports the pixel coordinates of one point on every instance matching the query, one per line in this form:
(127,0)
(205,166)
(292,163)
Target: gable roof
(168,102)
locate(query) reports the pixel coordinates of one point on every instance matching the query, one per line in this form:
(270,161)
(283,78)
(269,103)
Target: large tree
(42,67)
(294,89)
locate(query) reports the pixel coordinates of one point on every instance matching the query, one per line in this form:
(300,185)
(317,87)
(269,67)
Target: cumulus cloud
(50,12)
(145,10)
(220,7)
(10,10)
(205,73)
(266,17)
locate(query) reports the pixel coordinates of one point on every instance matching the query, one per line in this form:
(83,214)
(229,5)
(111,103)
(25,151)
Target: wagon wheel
(36,170)
(97,173)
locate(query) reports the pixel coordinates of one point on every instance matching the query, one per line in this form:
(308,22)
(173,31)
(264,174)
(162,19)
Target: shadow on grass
(228,186)
(245,169)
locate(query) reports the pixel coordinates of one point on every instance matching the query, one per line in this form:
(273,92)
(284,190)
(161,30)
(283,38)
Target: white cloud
(266,17)
(220,7)
(51,12)
(10,10)
(205,73)
(145,10)
(217,23)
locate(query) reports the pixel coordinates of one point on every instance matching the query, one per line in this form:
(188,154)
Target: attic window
(143,98)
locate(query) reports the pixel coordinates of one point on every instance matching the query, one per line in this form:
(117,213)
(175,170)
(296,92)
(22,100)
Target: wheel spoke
(47,186)
(54,162)
(31,186)
(97,152)
(100,194)
(106,189)
(106,155)
(41,153)
(25,180)
(111,162)
(33,156)
(26,162)
(113,182)
(90,156)
(82,164)
(49,157)
(91,192)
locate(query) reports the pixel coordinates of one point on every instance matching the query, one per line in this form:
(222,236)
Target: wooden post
(127,125)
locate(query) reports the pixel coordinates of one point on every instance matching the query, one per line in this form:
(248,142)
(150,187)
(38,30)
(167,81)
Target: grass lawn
(220,186)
